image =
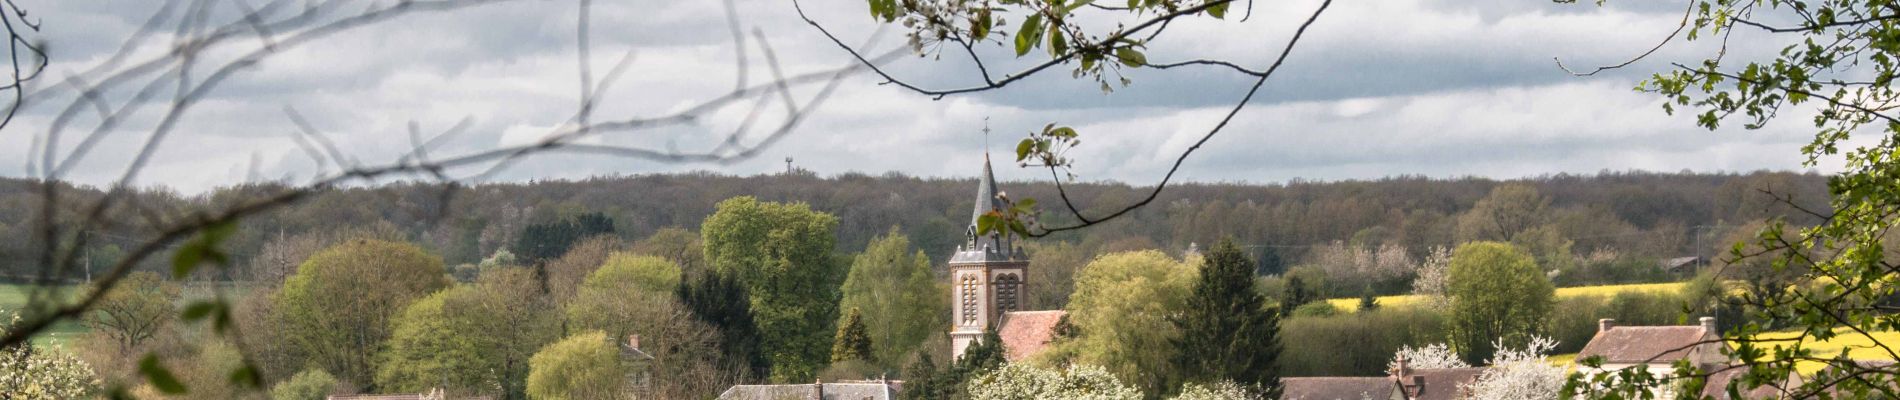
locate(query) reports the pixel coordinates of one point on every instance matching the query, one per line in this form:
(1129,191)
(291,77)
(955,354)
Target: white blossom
(29,373)
(1025,382)
(1520,373)
(1433,356)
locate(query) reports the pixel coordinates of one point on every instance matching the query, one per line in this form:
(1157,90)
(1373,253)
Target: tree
(1431,356)
(631,272)
(892,285)
(920,379)
(477,337)
(338,305)
(135,310)
(31,373)
(1500,216)
(1122,304)
(852,343)
(539,243)
(721,302)
(566,273)
(782,253)
(311,384)
(1432,281)
(625,300)
(674,244)
(1498,295)
(582,366)
(1521,373)
(1026,382)
(1052,278)
(1296,293)
(1227,333)
(1368,302)
(1218,391)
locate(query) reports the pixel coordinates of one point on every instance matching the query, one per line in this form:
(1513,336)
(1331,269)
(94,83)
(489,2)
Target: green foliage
(541,242)
(892,285)
(1227,333)
(631,272)
(721,302)
(582,366)
(782,253)
(1316,309)
(920,380)
(476,337)
(1359,344)
(1121,306)
(1497,293)
(851,342)
(311,384)
(338,306)
(1367,301)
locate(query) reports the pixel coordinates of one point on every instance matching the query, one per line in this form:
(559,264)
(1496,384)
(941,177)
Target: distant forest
(1635,214)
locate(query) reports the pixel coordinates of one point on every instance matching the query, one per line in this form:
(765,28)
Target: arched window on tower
(969,299)
(1006,287)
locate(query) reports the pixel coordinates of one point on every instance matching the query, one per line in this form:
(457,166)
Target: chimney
(1708,325)
(1401,368)
(633,341)
(1605,324)
(818,390)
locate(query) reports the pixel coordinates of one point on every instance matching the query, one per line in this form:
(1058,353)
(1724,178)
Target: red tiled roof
(1641,344)
(1026,333)
(1335,388)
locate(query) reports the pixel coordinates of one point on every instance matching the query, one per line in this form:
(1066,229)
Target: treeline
(1637,214)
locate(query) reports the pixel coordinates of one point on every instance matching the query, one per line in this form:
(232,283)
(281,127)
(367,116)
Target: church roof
(1026,333)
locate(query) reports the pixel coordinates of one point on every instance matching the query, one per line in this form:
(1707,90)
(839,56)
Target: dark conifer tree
(722,302)
(1227,333)
(852,343)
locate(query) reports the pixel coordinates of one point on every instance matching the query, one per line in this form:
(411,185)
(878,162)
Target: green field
(1352,304)
(13,297)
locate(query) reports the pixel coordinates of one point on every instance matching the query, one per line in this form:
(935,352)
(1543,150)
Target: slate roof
(1026,333)
(1642,344)
(832,391)
(991,247)
(1336,388)
(1439,383)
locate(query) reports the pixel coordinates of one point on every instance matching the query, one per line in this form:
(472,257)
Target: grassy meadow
(14,296)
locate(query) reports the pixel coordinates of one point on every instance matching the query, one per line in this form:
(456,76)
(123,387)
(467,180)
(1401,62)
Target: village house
(1657,347)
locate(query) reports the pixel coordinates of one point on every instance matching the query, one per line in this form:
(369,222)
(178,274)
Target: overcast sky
(1378,88)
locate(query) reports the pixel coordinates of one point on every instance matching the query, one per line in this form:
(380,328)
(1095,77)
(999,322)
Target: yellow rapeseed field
(1352,304)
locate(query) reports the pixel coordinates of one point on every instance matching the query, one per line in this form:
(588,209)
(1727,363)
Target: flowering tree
(1026,382)
(1521,374)
(28,373)
(1432,356)
(1224,390)
(1432,282)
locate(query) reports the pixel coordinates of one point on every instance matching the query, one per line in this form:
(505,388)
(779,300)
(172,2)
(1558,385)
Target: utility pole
(788,165)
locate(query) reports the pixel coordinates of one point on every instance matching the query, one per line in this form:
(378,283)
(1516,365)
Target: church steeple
(987,271)
(993,245)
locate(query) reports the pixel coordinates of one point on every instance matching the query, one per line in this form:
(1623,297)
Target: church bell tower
(986,273)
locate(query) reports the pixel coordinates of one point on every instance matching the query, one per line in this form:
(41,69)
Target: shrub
(1316,309)
(1354,345)
(311,384)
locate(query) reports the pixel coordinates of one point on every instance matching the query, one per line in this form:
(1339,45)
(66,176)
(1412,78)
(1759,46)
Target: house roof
(1335,388)
(1439,383)
(1679,262)
(1026,333)
(1717,387)
(1642,344)
(832,391)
